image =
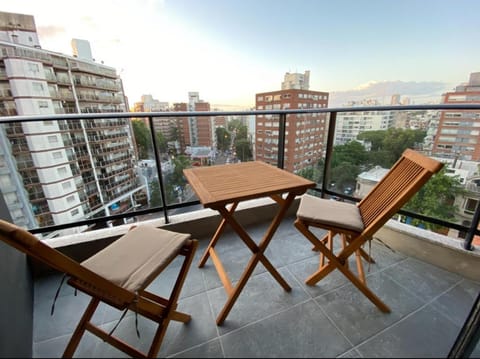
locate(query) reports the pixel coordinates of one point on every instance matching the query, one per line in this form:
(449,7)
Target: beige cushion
(136,258)
(329,212)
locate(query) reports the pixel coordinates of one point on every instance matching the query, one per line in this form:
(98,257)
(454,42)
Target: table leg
(215,237)
(257,254)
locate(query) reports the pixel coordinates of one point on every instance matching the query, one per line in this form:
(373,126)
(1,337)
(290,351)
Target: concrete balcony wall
(427,246)
(199,223)
(16,303)
(439,250)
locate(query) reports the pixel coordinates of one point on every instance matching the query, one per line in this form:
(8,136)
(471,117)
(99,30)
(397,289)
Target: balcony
(332,319)
(429,281)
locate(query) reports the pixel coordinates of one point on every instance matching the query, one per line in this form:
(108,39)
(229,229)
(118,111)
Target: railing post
(467,244)
(281,140)
(159,169)
(329,150)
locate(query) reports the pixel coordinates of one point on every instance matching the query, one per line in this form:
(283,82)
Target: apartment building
(351,124)
(53,172)
(305,133)
(201,129)
(164,125)
(458,134)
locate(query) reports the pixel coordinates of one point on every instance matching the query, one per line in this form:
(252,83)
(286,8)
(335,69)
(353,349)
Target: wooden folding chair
(118,276)
(356,223)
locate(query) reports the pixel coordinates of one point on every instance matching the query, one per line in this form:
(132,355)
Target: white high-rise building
(54,172)
(81,49)
(296,81)
(351,124)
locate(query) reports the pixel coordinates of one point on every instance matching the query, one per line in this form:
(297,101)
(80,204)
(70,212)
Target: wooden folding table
(222,186)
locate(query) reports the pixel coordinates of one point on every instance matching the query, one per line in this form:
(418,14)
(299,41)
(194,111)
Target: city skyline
(228,50)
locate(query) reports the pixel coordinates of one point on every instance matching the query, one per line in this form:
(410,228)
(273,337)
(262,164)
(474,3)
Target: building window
(33,67)
(71,199)
(52,139)
(42,104)
(10,198)
(57,155)
(5,181)
(471,205)
(37,87)
(62,171)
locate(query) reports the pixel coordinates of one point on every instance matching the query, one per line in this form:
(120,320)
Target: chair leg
(365,255)
(344,244)
(361,272)
(323,240)
(78,333)
(162,312)
(329,237)
(170,312)
(336,263)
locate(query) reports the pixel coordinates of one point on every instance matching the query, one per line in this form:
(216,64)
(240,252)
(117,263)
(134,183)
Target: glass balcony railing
(138,171)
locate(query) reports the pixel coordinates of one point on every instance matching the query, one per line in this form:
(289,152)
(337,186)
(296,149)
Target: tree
(155,195)
(180,163)
(435,199)
(223,138)
(345,175)
(397,140)
(234,124)
(348,160)
(162,142)
(175,181)
(143,139)
(242,132)
(174,134)
(311,173)
(374,137)
(352,152)
(243,149)
(388,145)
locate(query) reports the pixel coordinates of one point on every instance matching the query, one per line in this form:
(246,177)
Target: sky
(229,50)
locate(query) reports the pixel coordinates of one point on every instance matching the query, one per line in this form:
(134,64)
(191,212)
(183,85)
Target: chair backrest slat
(396,188)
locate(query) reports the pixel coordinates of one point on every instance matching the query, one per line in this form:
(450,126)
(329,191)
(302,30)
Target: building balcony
(429,286)
(430,281)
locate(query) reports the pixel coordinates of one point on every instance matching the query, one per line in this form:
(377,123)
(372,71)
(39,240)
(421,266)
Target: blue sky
(228,50)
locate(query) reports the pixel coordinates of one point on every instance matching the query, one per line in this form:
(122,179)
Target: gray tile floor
(330,319)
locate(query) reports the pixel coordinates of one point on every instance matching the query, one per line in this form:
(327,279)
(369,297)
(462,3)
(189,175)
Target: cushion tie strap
(57,293)
(123,315)
(369,254)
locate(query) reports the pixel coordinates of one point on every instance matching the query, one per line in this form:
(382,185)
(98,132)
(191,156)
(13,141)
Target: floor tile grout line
(402,319)
(333,322)
(286,265)
(212,313)
(197,346)
(409,290)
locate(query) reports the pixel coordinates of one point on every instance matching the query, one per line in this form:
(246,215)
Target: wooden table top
(221,184)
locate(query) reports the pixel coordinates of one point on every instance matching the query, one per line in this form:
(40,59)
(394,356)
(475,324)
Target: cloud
(418,92)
